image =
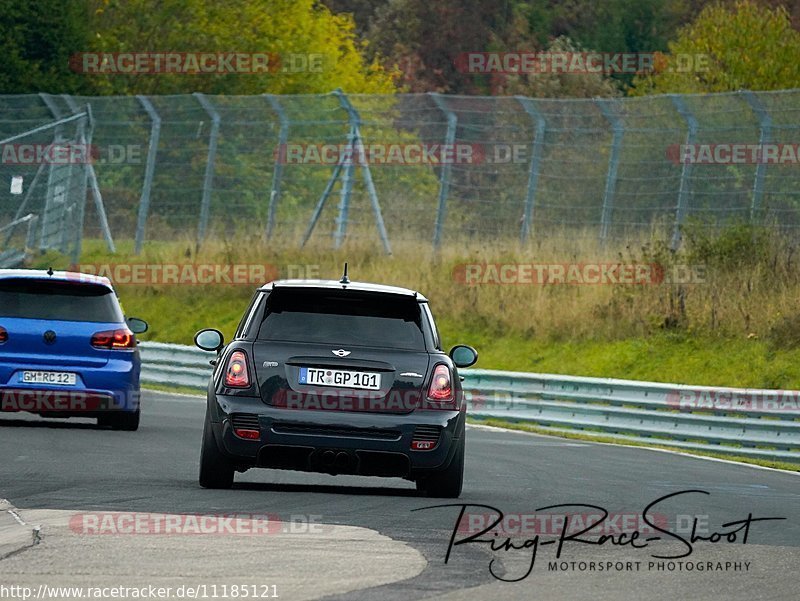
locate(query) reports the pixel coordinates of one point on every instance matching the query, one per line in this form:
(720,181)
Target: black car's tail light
(114,339)
(441,391)
(425,438)
(236,374)
(3,335)
(246,425)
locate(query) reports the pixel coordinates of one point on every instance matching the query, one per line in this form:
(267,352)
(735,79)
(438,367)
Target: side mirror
(137,326)
(463,355)
(209,340)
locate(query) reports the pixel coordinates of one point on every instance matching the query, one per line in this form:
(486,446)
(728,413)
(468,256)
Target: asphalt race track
(358,538)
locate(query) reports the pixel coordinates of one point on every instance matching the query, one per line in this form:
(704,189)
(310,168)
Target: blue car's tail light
(114,339)
(3,335)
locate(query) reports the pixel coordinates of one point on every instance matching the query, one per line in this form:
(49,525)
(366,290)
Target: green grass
(169,388)
(662,357)
(741,329)
(665,357)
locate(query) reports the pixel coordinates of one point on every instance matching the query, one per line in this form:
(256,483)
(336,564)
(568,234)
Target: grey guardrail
(175,365)
(735,421)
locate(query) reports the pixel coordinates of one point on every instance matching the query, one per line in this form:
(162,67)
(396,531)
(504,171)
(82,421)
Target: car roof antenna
(50,272)
(345,280)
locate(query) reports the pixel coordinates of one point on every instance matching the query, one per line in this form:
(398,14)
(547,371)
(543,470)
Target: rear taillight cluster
(441,392)
(114,339)
(236,374)
(3,335)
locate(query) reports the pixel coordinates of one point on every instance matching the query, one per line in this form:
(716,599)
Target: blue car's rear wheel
(125,421)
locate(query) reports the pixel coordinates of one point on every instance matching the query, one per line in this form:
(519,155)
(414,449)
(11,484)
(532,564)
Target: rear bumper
(335,442)
(98,390)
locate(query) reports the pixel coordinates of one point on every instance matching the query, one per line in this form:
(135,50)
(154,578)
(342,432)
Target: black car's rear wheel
(215,470)
(448,482)
(126,421)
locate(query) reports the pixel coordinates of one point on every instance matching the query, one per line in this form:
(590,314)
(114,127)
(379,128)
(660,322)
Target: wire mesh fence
(46,171)
(421,168)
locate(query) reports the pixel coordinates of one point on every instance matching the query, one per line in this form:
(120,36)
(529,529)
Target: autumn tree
(284,28)
(730,47)
(425,38)
(554,84)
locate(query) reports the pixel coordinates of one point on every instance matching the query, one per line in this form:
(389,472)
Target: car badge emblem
(341,352)
(411,374)
(270,364)
(49,337)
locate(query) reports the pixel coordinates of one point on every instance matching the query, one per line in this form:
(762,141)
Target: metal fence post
(764,137)
(91,180)
(340,164)
(30,237)
(686,172)
(612,116)
(99,205)
(45,127)
(50,204)
(535,166)
(358,154)
(444,173)
(277,173)
(149,170)
(321,202)
(208,180)
(73,118)
(86,140)
(347,178)
(54,109)
(373,195)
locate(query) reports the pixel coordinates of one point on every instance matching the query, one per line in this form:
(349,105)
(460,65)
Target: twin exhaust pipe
(340,460)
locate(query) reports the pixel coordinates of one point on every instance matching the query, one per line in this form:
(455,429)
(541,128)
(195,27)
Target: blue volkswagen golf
(66,350)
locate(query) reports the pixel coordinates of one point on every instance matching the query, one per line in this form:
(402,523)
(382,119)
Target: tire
(215,470)
(125,421)
(447,483)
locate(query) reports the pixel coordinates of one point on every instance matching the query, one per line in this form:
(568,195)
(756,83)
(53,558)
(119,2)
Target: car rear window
(60,301)
(343,319)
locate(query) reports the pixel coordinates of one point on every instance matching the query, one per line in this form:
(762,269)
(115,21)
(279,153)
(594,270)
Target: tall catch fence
(45,178)
(410,168)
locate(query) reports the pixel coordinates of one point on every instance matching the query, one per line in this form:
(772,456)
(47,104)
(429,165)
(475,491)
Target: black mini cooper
(339,378)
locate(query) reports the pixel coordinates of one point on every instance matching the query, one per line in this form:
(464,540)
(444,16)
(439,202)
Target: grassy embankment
(740,326)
